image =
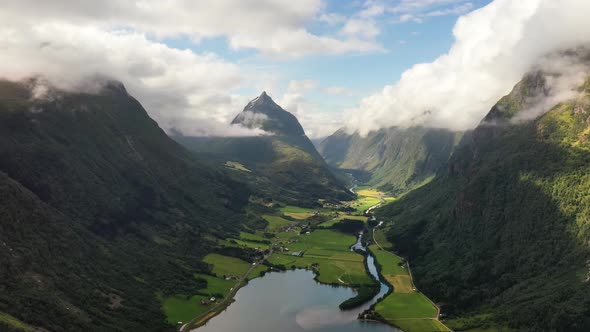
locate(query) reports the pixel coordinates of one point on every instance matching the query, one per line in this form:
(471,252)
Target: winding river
(292,302)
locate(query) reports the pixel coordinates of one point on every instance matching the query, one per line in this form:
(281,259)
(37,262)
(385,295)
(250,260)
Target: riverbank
(404,307)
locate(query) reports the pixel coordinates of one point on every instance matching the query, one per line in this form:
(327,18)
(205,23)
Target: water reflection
(292,302)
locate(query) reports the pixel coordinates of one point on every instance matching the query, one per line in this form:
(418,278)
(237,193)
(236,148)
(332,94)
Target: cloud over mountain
(494,46)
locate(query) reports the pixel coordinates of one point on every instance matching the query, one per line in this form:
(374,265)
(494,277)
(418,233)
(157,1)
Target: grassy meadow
(225,265)
(404,307)
(330,251)
(296,212)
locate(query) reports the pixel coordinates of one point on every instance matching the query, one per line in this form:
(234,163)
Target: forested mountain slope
(504,231)
(100,210)
(395,159)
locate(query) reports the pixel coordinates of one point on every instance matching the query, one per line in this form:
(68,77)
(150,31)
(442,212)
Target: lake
(291,302)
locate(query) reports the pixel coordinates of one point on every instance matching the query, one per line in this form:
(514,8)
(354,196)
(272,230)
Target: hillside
(284,162)
(100,211)
(394,159)
(501,237)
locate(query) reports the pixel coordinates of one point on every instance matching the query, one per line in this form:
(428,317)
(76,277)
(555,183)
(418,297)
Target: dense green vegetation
(503,234)
(101,210)
(404,307)
(328,253)
(395,160)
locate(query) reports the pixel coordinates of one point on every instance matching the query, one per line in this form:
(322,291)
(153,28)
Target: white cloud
(337,91)
(174,85)
(69,41)
(457,10)
(313,118)
(363,28)
(309,114)
(302,85)
(274,27)
(494,47)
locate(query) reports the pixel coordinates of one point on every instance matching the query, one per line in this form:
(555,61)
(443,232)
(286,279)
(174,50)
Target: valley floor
(297,237)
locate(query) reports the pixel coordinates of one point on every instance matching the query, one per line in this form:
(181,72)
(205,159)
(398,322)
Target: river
(292,301)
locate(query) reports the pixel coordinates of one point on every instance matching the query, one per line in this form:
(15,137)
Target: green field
(406,308)
(330,251)
(252,237)
(421,325)
(224,265)
(182,308)
(296,212)
(179,308)
(365,202)
(405,305)
(215,285)
(390,263)
(370,192)
(276,222)
(341,217)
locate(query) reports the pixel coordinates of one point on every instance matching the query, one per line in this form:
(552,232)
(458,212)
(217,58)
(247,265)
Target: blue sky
(195,64)
(416,40)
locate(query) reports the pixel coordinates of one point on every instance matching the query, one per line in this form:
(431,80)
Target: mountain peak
(264,98)
(263,113)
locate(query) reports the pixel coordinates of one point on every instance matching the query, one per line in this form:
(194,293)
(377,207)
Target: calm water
(291,302)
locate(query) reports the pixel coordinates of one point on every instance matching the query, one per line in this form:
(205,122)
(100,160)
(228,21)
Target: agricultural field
(215,286)
(330,251)
(225,265)
(370,192)
(365,202)
(341,217)
(296,212)
(405,307)
(275,223)
(182,308)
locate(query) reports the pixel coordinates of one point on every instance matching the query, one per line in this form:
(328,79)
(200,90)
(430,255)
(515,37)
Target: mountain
(284,163)
(395,159)
(263,113)
(501,238)
(100,211)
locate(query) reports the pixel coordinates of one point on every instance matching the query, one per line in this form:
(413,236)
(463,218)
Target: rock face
(394,159)
(263,113)
(505,229)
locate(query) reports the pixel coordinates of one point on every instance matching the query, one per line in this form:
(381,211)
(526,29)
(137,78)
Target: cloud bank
(67,41)
(494,47)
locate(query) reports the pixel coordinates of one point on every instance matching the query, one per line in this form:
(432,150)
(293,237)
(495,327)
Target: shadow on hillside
(500,229)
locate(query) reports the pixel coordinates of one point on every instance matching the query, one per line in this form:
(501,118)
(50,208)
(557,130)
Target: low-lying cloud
(494,47)
(69,42)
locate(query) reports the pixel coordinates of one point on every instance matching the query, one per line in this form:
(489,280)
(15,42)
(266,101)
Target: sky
(363,64)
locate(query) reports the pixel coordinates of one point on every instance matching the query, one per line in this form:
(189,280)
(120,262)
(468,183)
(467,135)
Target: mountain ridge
(95,195)
(501,235)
